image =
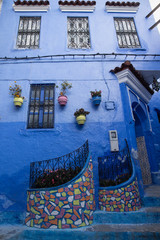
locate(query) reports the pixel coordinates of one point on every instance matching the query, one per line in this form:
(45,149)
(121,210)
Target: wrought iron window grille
(115,168)
(41,106)
(78,33)
(29,32)
(126,33)
(57,171)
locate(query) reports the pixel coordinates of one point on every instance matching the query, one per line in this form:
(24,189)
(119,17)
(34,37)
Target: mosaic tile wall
(144,162)
(120,200)
(69,207)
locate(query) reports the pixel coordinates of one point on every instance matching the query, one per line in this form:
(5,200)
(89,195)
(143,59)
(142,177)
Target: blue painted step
(151,201)
(152,196)
(85,235)
(12,217)
(144,215)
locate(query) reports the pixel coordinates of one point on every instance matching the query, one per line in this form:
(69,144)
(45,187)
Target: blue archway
(142,126)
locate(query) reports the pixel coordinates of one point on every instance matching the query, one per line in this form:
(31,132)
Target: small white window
(29,32)
(126,33)
(78,33)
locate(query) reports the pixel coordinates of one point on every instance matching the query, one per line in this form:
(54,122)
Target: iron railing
(57,171)
(115,168)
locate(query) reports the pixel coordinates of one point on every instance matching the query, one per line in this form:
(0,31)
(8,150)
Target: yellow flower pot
(18,101)
(81,119)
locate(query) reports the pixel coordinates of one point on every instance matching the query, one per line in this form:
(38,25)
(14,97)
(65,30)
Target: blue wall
(19,146)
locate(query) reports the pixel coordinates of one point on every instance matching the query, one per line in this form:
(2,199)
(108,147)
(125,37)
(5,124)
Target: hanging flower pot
(96,100)
(16,92)
(81,116)
(62,100)
(96,97)
(81,119)
(18,101)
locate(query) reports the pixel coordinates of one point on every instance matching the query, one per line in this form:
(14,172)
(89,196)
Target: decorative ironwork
(41,107)
(115,168)
(155,84)
(126,33)
(29,32)
(78,33)
(57,171)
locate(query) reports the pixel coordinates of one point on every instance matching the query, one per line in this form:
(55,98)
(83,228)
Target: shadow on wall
(13,190)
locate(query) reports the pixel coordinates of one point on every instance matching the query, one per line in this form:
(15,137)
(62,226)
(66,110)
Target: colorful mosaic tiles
(121,199)
(69,207)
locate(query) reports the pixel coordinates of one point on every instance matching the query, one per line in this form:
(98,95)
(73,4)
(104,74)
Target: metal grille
(61,169)
(29,32)
(115,168)
(41,107)
(126,33)
(78,33)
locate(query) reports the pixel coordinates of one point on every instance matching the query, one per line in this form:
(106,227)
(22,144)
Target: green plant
(96,93)
(81,111)
(16,90)
(64,86)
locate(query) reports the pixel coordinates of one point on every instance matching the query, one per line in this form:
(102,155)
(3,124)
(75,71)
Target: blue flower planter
(96,100)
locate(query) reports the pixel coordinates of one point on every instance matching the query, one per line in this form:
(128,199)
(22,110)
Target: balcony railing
(115,168)
(57,171)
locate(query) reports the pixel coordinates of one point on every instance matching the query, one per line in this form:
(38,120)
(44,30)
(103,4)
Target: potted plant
(62,99)
(16,92)
(96,97)
(81,116)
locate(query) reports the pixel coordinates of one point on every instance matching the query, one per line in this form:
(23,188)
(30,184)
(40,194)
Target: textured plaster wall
(54,39)
(19,146)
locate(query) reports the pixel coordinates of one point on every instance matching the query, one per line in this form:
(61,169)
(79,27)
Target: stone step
(156,177)
(144,215)
(151,201)
(15,217)
(94,232)
(152,196)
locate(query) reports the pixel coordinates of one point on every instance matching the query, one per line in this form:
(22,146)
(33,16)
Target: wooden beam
(149,14)
(154,25)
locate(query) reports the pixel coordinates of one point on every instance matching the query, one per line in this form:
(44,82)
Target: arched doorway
(141,125)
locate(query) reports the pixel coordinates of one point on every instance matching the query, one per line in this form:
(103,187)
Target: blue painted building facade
(127,105)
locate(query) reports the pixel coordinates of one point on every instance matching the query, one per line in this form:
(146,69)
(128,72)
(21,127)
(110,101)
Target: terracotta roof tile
(128,65)
(77,3)
(29,3)
(124,4)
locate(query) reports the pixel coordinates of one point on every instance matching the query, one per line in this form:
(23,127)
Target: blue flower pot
(96,100)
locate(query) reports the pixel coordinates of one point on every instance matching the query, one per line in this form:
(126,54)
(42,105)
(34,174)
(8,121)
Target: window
(29,32)
(41,106)
(126,33)
(0,5)
(78,33)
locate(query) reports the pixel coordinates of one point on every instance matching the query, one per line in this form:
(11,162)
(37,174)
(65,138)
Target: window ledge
(31,8)
(122,9)
(130,49)
(77,8)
